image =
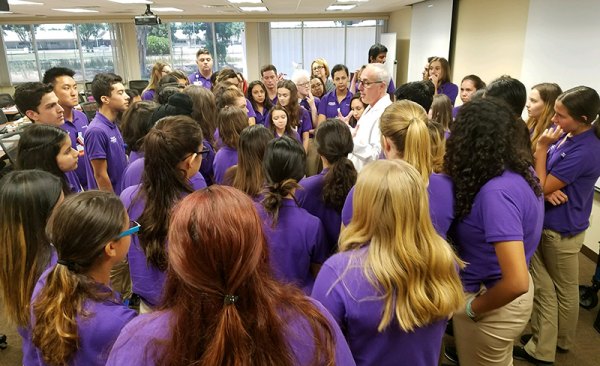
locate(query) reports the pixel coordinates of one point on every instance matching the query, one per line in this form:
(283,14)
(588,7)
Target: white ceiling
(284,9)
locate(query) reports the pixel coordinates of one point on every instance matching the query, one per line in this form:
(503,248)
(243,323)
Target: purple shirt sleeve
(347,209)
(251,112)
(96,144)
(450,90)
(496,204)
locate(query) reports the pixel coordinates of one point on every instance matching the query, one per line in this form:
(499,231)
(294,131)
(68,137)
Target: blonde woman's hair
(155,75)
(438,145)
(404,123)
(548,93)
(413,267)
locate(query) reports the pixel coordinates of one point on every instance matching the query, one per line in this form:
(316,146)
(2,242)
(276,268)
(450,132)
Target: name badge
(331,103)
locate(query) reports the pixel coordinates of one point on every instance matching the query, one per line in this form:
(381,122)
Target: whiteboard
(561,44)
(429,34)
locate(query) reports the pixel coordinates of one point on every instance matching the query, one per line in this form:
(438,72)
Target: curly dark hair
(481,146)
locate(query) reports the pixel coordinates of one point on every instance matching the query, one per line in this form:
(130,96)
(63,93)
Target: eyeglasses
(304,84)
(134,227)
(367,83)
(204,152)
(315,68)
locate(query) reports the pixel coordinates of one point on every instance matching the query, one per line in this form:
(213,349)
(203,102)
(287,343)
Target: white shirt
(367,142)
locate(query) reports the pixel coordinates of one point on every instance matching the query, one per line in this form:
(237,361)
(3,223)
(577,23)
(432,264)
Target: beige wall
(399,23)
(490,38)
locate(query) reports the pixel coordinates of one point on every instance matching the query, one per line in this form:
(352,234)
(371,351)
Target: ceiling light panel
(341,7)
(253,8)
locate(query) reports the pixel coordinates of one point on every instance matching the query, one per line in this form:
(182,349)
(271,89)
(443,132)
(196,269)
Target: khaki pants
(555,271)
(120,280)
(489,341)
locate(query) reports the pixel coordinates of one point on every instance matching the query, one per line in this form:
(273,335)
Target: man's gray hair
(380,73)
(299,74)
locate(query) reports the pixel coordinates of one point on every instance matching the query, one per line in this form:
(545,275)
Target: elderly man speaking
(373,92)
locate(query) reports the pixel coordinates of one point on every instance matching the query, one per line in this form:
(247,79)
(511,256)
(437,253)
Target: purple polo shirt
(149,95)
(441,203)
(304,125)
(357,306)
(73,182)
(76,129)
(206,167)
(135,155)
(304,103)
(391,87)
(137,343)
(329,104)
(225,158)
(251,112)
(196,78)
(504,209)
(103,140)
(297,241)
(577,163)
(133,174)
(147,281)
(310,198)
(96,331)
(450,90)
(293,135)
(260,117)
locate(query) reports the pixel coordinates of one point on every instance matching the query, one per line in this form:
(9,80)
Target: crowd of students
(326,219)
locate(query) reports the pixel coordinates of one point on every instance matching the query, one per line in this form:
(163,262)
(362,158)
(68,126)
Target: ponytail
(274,195)
(340,178)
(55,312)
(334,143)
(417,147)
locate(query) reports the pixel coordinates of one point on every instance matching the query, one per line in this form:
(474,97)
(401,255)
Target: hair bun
(178,104)
(182,102)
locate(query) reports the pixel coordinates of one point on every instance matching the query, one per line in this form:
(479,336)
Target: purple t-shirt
(225,158)
(329,104)
(293,135)
(135,155)
(504,209)
(310,198)
(73,182)
(577,163)
(206,167)
(196,78)
(251,112)
(149,95)
(134,172)
(96,332)
(441,203)
(103,140)
(450,90)
(76,130)
(260,117)
(295,242)
(136,343)
(147,281)
(455,111)
(391,87)
(357,306)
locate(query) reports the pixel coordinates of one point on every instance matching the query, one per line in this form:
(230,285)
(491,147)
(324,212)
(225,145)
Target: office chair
(138,85)
(8,144)
(6,100)
(89,108)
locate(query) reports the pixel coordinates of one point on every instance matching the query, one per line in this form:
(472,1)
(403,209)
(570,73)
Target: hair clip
(230,299)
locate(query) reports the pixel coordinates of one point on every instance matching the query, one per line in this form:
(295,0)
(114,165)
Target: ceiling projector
(148,18)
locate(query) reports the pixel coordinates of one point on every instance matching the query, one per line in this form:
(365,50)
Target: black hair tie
(67,263)
(230,299)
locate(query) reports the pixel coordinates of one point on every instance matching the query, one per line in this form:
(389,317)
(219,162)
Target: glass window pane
(187,39)
(96,45)
(286,49)
(153,46)
(20,55)
(230,46)
(57,46)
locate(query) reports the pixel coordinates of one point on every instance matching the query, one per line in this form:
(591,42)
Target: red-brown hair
(217,247)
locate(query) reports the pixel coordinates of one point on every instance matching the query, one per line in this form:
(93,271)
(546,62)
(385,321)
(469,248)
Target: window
(178,42)
(297,44)
(33,49)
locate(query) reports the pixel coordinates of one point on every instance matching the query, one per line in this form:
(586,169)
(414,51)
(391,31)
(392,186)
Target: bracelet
(469,310)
